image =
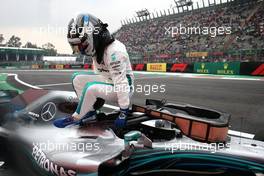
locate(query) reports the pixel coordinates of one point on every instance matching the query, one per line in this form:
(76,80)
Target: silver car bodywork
(98,148)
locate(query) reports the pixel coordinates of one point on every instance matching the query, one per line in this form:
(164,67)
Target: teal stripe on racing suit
(87,86)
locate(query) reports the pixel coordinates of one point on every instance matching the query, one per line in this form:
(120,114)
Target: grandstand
(149,40)
(13,55)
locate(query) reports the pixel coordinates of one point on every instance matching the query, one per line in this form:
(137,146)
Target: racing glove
(120,122)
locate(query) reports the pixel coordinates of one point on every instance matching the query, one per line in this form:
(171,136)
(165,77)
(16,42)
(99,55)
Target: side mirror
(137,140)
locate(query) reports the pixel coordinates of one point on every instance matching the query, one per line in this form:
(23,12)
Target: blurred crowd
(246,21)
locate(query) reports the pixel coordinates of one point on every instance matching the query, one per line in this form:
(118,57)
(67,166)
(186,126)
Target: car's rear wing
(198,123)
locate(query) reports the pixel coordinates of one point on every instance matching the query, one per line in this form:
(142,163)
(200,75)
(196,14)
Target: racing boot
(64,122)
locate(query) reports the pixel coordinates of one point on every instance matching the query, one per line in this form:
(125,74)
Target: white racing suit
(114,81)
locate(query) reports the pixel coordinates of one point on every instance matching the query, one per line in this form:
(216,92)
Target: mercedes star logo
(48,111)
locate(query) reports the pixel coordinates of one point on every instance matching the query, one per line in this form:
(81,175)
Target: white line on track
(184,75)
(49,85)
(62,84)
(39,87)
(245,79)
(230,132)
(22,82)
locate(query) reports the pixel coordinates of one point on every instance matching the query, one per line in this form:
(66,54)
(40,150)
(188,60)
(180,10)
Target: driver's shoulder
(116,47)
(115,51)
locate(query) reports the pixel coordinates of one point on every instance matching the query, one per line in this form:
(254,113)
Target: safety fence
(219,68)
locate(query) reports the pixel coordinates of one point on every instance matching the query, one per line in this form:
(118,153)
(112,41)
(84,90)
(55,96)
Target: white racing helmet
(88,35)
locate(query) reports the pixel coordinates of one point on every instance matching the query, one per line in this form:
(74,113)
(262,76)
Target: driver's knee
(92,93)
(75,79)
(74,75)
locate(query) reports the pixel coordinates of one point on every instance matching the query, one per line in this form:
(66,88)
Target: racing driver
(114,78)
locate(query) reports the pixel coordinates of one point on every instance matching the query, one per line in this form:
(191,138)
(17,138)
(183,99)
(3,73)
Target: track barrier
(86,66)
(181,67)
(157,67)
(218,68)
(59,67)
(252,68)
(140,67)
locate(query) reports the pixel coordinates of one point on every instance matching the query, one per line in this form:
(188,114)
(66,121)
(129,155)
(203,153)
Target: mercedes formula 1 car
(160,139)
